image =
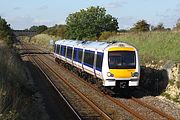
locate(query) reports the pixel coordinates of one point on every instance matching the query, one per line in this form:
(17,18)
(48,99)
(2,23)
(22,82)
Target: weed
(167,95)
(171,82)
(16,93)
(178,84)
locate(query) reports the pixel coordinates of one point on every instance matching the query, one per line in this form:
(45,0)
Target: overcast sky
(21,14)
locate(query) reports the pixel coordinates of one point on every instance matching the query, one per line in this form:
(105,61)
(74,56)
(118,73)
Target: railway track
(117,102)
(39,62)
(121,104)
(124,106)
(30,58)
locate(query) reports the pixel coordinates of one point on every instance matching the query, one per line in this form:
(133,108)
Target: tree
(89,23)
(39,29)
(177,25)
(5,32)
(141,26)
(159,27)
(57,30)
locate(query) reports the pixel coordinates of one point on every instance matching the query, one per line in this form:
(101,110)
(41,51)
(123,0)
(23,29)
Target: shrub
(171,82)
(18,97)
(5,32)
(106,35)
(178,84)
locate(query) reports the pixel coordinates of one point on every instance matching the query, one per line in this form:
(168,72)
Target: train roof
(92,44)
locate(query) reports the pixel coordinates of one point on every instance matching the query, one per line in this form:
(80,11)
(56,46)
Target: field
(153,46)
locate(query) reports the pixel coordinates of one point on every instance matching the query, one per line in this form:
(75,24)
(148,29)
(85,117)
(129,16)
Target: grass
(178,84)
(18,97)
(168,96)
(154,46)
(171,82)
(42,40)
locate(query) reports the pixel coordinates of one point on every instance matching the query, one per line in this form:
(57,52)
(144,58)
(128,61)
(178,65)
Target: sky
(22,14)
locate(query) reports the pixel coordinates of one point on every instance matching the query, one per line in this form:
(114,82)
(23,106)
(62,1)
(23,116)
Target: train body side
(94,58)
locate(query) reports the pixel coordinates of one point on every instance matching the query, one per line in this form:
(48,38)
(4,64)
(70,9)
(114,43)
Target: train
(116,64)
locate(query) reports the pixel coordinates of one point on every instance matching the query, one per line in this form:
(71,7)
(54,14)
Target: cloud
(177,9)
(115,4)
(44,7)
(169,20)
(169,17)
(62,22)
(126,22)
(22,22)
(2,14)
(17,8)
(41,21)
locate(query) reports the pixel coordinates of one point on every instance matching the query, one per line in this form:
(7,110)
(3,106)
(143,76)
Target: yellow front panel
(121,49)
(122,73)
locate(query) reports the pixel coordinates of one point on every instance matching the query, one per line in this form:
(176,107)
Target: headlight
(135,74)
(110,74)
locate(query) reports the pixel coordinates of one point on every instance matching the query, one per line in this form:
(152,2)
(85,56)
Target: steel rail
(89,102)
(153,109)
(30,58)
(119,103)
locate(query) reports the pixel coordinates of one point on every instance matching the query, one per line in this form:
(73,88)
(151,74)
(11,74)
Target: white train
(116,64)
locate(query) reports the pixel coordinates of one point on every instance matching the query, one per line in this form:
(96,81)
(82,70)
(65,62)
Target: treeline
(5,32)
(94,23)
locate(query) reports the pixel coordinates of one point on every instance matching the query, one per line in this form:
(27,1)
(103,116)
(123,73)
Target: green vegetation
(177,28)
(168,96)
(171,82)
(41,40)
(105,35)
(141,26)
(90,23)
(178,84)
(39,29)
(159,27)
(5,32)
(154,46)
(18,97)
(57,30)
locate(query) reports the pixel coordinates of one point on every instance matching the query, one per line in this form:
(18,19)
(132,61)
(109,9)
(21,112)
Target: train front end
(122,67)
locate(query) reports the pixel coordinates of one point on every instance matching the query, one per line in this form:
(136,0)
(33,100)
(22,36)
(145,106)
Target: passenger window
(57,50)
(80,52)
(99,60)
(69,52)
(74,54)
(63,50)
(89,58)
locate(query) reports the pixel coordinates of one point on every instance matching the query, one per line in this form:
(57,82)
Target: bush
(18,97)
(57,30)
(41,40)
(5,32)
(178,84)
(106,35)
